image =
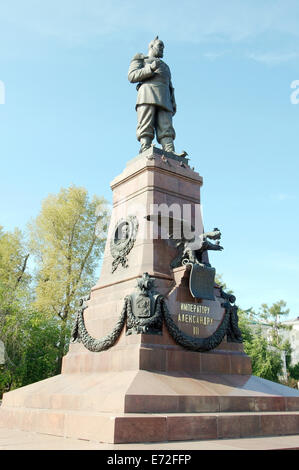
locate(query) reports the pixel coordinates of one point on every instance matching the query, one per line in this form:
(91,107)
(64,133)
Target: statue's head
(124,231)
(156,48)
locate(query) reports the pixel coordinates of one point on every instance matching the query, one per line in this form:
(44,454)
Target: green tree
(67,246)
(272,316)
(17,321)
(266,362)
(14,281)
(31,348)
(14,277)
(294,371)
(245,325)
(262,341)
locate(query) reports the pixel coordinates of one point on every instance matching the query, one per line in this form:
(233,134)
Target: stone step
(11,439)
(159,427)
(135,403)
(149,392)
(208,404)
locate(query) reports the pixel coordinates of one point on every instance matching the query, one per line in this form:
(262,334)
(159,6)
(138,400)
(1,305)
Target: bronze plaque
(201,282)
(198,320)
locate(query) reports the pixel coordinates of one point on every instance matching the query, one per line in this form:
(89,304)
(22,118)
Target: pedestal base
(144,406)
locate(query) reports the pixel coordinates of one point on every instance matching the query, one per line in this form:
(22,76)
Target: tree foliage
(294,371)
(15,301)
(67,248)
(66,241)
(272,316)
(262,339)
(266,361)
(31,348)
(14,278)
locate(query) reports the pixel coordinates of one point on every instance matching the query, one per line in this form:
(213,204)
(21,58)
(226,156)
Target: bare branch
(22,271)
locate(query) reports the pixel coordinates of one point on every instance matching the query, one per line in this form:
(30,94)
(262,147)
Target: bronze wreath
(80,332)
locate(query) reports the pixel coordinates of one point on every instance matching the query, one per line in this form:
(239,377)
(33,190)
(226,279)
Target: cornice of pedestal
(154,274)
(154,159)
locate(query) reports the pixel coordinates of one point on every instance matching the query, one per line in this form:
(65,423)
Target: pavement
(11,439)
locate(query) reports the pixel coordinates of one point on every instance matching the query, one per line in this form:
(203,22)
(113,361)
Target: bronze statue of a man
(155,100)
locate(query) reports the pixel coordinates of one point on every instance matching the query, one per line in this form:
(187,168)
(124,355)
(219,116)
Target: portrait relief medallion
(122,240)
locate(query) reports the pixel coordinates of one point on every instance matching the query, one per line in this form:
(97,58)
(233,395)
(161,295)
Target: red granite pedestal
(147,388)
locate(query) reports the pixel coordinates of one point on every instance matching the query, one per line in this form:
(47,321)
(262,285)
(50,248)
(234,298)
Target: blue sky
(69,117)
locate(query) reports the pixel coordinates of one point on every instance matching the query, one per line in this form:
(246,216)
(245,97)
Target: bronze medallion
(123,240)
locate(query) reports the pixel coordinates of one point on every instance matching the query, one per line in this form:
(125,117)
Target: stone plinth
(150,179)
(145,406)
(147,387)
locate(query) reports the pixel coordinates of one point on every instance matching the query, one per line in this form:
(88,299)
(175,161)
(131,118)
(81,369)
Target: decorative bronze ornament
(234,334)
(192,253)
(147,318)
(81,335)
(202,281)
(144,315)
(145,310)
(123,240)
(193,250)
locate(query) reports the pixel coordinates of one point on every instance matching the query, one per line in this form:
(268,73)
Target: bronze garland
(141,325)
(81,334)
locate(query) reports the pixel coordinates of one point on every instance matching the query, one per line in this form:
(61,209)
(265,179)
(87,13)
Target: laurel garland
(80,332)
(234,333)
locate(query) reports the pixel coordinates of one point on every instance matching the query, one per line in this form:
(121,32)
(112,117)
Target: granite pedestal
(147,388)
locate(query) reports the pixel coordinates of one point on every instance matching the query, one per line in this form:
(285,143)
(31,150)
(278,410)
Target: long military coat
(153,87)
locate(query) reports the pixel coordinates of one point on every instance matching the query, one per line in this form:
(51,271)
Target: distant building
(293,337)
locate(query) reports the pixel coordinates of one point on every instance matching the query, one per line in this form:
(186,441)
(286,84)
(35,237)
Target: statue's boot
(145,143)
(168,146)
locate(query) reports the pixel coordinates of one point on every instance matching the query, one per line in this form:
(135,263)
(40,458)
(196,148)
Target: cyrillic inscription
(197,319)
